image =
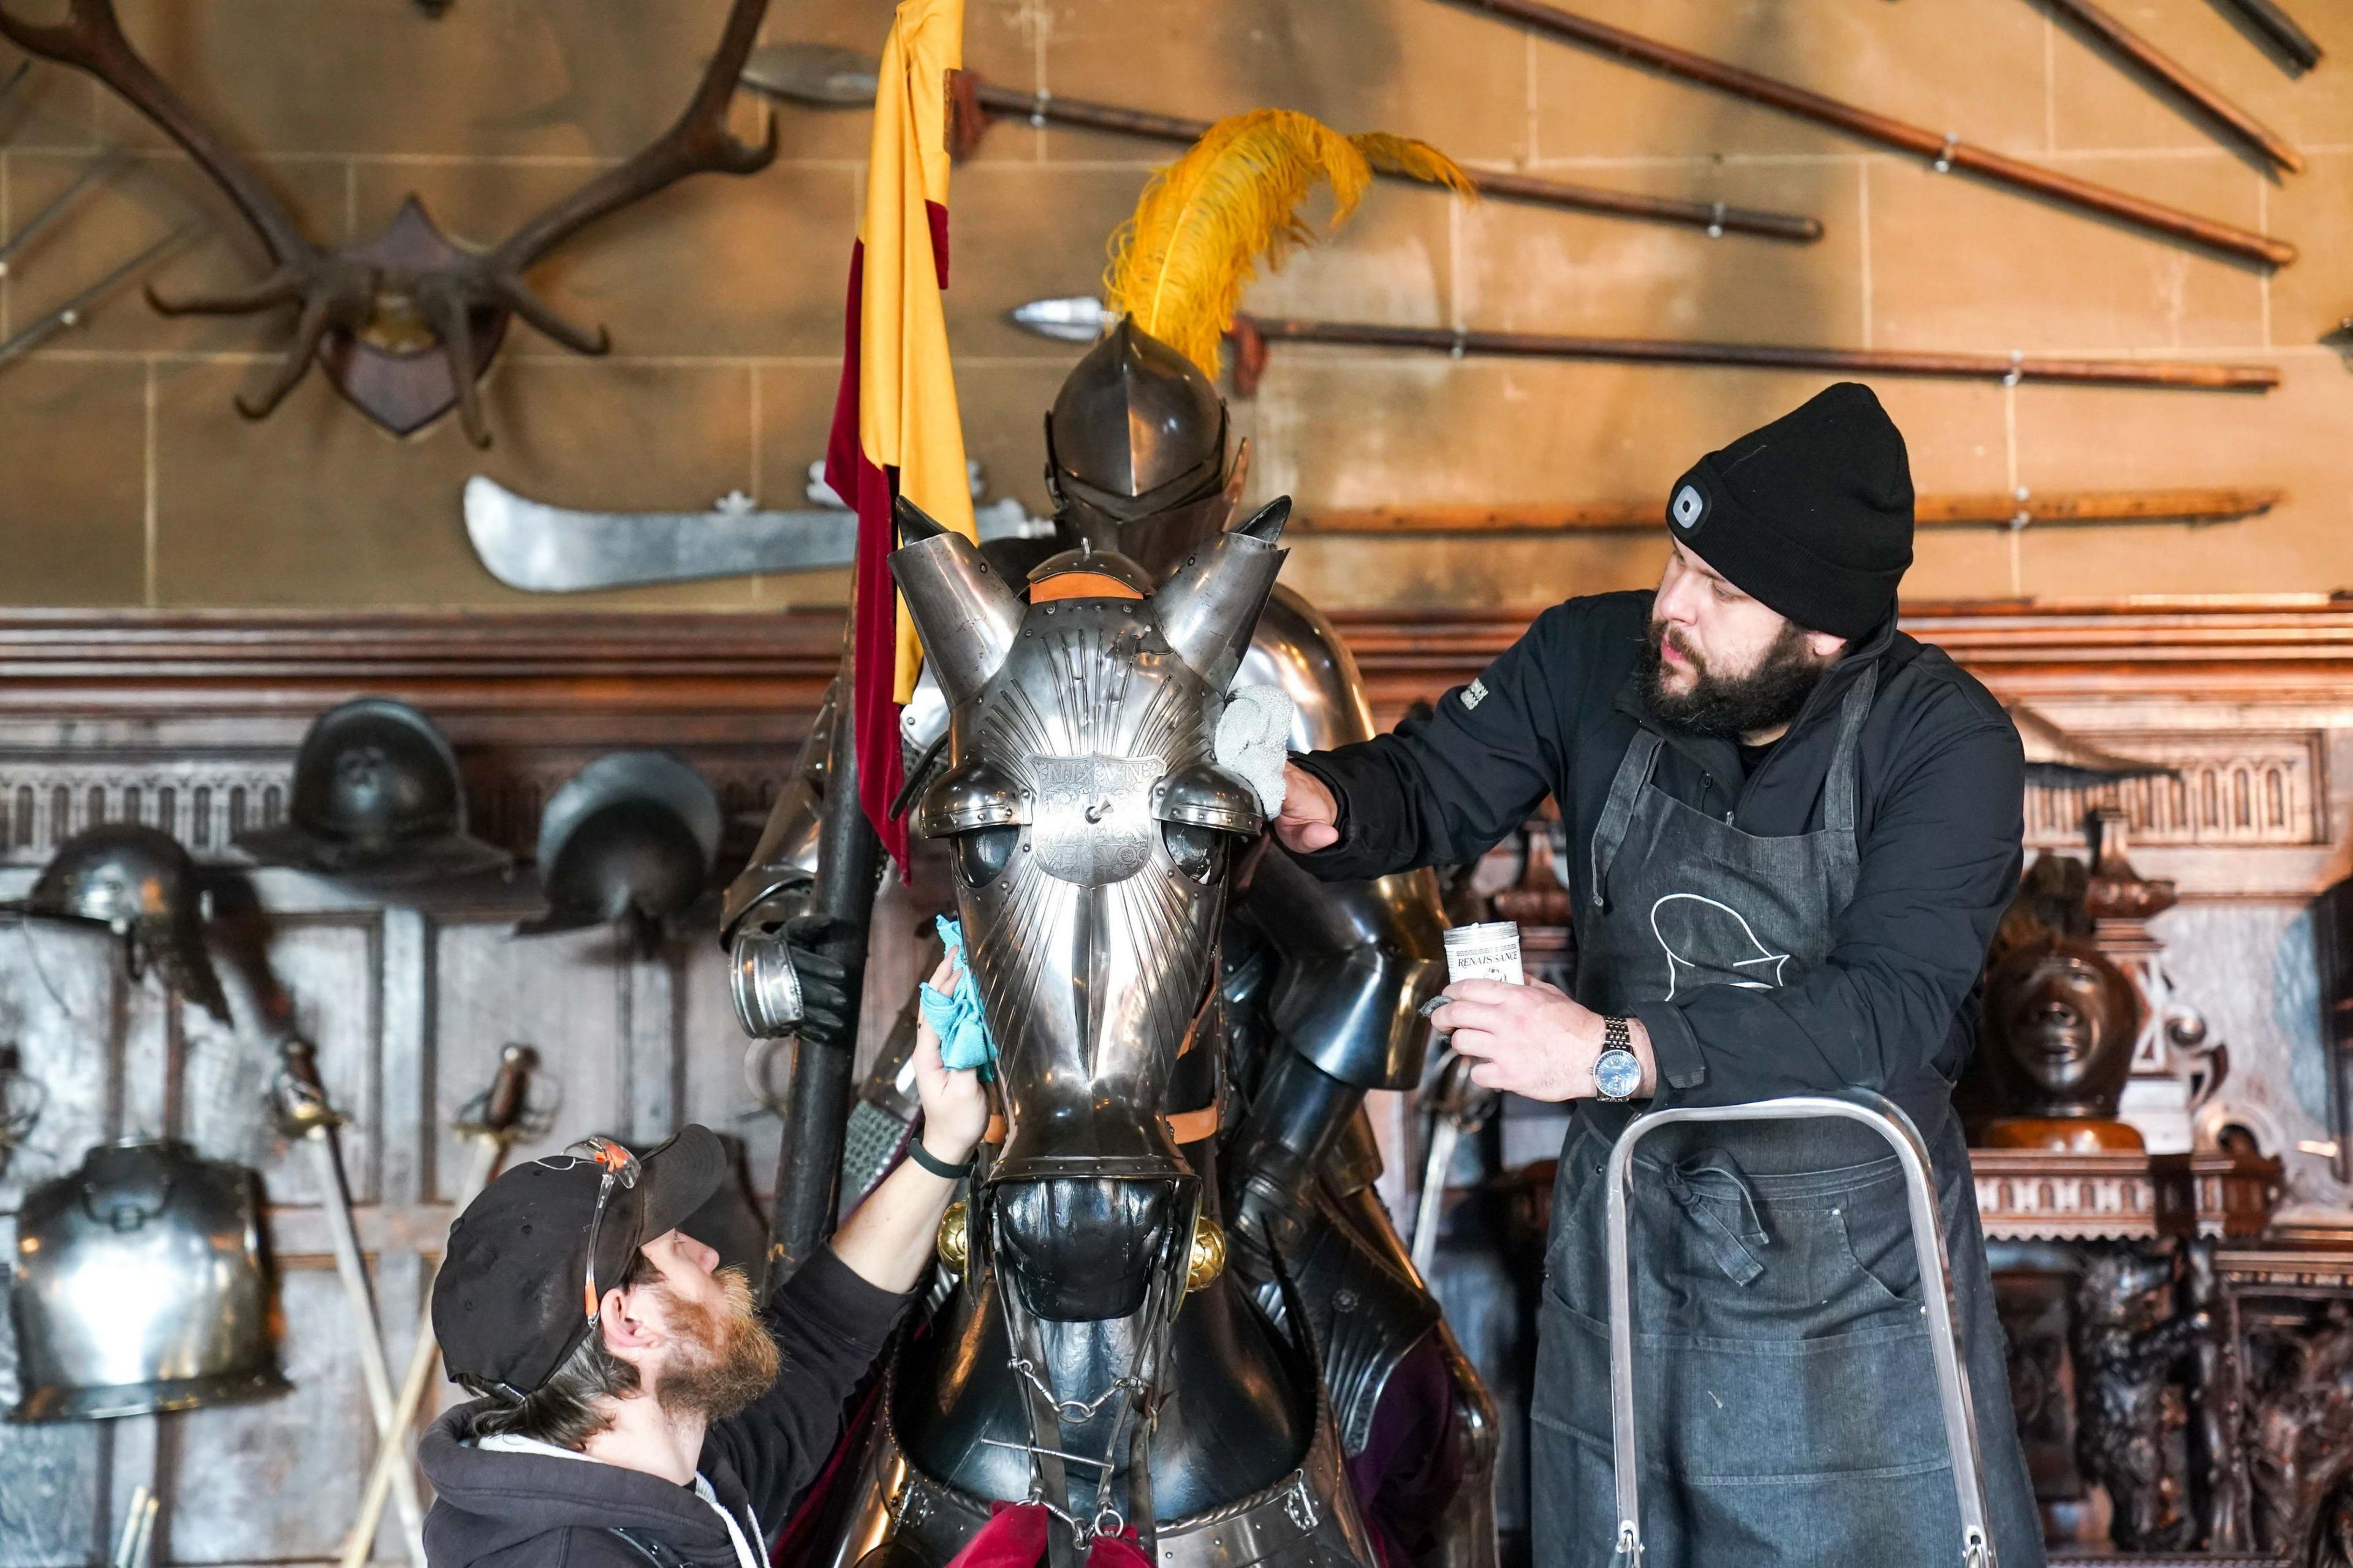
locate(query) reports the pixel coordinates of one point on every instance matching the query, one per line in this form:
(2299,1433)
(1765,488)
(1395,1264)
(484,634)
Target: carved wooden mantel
(2028,1195)
(2241,696)
(190,721)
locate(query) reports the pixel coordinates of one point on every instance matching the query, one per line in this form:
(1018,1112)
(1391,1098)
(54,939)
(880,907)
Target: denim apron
(1786,1404)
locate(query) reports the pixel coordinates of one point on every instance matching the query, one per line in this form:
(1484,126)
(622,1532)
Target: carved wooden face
(2064,1018)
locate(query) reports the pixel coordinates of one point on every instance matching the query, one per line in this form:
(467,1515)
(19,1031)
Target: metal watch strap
(1617,1038)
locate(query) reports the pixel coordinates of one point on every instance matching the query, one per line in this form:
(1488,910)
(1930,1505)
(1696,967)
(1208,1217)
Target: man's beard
(1724,707)
(725,1359)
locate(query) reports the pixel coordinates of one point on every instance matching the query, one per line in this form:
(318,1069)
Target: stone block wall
(126,477)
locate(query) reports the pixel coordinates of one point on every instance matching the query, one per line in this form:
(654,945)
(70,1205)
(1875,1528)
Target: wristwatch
(1617,1071)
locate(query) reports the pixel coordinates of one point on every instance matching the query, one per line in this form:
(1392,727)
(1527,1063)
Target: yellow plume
(1415,160)
(1178,267)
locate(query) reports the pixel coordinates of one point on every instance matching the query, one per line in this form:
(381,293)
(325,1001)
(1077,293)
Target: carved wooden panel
(204,802)
(207,802)
(2235,788)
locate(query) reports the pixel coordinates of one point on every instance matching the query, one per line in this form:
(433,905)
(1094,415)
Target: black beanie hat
(1812,515)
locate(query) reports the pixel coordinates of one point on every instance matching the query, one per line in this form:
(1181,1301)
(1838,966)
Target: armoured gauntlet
(785,985)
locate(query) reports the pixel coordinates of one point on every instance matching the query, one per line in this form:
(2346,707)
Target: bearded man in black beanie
(1792,831)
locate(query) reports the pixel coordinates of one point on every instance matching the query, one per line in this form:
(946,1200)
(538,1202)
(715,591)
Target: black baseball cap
(510,1302)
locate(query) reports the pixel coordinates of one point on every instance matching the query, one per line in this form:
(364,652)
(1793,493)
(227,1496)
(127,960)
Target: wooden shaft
(2011,369)
(2229,117)
(1709,215)
(2082,509)
(1946,152)
(392,1451)
(2280,28)
(816,1113)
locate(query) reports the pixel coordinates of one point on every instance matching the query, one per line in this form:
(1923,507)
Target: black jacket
(1940,785)
(494,1510)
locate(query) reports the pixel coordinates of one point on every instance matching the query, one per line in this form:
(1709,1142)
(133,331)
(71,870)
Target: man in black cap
(1792,830)
(634,1408)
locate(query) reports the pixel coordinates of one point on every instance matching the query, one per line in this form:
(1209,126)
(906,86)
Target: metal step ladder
(1883,1117)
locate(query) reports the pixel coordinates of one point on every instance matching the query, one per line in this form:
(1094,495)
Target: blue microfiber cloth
(956,1017)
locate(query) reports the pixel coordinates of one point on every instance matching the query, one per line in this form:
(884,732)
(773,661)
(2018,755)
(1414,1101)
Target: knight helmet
(377,798)
(1135,452)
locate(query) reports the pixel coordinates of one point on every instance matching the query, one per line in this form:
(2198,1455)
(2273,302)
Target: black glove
(826,1004)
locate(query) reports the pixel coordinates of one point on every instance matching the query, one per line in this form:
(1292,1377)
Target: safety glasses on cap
(619,1168)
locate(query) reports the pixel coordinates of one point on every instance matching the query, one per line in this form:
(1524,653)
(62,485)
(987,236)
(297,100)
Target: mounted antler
(377,312)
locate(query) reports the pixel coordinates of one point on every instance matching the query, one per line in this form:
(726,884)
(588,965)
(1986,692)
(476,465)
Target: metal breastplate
(138,1287)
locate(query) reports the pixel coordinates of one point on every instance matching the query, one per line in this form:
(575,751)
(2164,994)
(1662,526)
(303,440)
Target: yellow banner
(907,416)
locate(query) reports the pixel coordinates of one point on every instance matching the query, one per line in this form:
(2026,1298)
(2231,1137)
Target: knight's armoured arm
(1354,960)
(782,986)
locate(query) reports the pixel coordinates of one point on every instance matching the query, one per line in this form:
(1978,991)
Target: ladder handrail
(1885,1118)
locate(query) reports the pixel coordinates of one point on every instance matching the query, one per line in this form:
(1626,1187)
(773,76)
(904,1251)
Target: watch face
(1616,1074)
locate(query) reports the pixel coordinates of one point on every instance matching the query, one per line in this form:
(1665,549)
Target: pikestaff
(2226,116)
(2020,508)
(815,1107)
(827,76)
(1253,334)
(1945,152)
(2281,29)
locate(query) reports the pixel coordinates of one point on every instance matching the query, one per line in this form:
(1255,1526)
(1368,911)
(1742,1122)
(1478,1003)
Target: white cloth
(514,1443)
(1253,739)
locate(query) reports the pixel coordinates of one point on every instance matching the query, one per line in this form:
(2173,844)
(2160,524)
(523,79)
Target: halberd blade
(825,75)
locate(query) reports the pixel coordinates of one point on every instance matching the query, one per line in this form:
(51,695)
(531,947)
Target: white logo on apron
(1704,934)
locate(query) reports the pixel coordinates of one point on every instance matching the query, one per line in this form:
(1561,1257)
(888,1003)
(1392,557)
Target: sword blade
(545,549)
(1427,1215)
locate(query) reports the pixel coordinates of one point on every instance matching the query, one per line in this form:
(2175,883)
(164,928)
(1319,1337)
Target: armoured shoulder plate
(138,1287)
(1358,959)
(785,862)
(923,719)
(1297,650)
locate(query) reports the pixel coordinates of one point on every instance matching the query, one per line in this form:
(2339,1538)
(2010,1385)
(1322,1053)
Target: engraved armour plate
(1094,816)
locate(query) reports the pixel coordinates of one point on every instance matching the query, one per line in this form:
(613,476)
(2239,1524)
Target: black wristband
(935,1164)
